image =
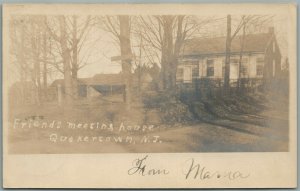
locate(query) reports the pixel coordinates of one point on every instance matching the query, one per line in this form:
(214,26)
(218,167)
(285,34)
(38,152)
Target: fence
(205,87)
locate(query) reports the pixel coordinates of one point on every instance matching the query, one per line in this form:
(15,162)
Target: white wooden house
(205,58)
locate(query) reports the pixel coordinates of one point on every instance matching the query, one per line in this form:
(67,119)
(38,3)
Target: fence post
(59,94)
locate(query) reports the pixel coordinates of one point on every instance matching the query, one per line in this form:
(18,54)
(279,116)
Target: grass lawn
(100,127)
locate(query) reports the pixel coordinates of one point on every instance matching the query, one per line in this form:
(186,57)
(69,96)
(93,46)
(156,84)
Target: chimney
(271,30)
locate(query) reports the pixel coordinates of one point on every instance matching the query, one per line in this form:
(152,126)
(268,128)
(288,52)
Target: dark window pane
(210,71)
(179,73)
(259,66)
(195,72)
(244,70)
(259,70)
(210,68)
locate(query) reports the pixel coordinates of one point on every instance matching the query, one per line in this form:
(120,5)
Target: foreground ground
(266,130)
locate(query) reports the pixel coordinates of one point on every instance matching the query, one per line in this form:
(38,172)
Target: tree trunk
(23,69)
(163,72)
(75,59)
(66,61)
(177,47)
(227,57)
(241,58)
(36,78)
(45,70)
(167,52)
(140,65)
(125,51)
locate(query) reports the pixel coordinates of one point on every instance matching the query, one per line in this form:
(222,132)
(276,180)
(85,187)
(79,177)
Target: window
(223,67)
(244,67)
(179,73)
(195,72)
(259,69)
(274,68)
(244,70)
(210,68)
(259,66)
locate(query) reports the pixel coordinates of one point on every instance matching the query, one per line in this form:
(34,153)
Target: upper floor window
(210,67)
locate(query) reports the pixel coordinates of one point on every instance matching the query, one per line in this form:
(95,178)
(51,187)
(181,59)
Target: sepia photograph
(149,96)
(148,83)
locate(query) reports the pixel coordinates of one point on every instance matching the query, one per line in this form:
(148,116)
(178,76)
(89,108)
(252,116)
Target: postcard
(149,96)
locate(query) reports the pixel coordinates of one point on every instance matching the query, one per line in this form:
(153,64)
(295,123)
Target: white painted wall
(202,67)
(252,65)
(187,74)
(234,68)
(218,67)
(219,61)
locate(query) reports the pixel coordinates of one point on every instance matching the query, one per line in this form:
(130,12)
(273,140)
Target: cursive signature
(140,167)
(196,171)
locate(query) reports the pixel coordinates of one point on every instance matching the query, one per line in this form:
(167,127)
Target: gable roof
(56,82)
(104,79)
(204,46)
(97,79)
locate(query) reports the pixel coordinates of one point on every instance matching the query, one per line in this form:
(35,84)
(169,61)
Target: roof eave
(220,54)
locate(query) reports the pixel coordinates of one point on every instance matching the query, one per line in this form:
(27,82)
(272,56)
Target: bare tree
(70,37)
(36,52)
(166,34)
(18,51)
(125,47)
(27,47)
(45,48)
(77,42)
(242,24)
(66,58)
(251,21)
(120,28)
(242,44)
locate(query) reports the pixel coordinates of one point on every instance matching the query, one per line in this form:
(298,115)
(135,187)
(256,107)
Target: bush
(171,110)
